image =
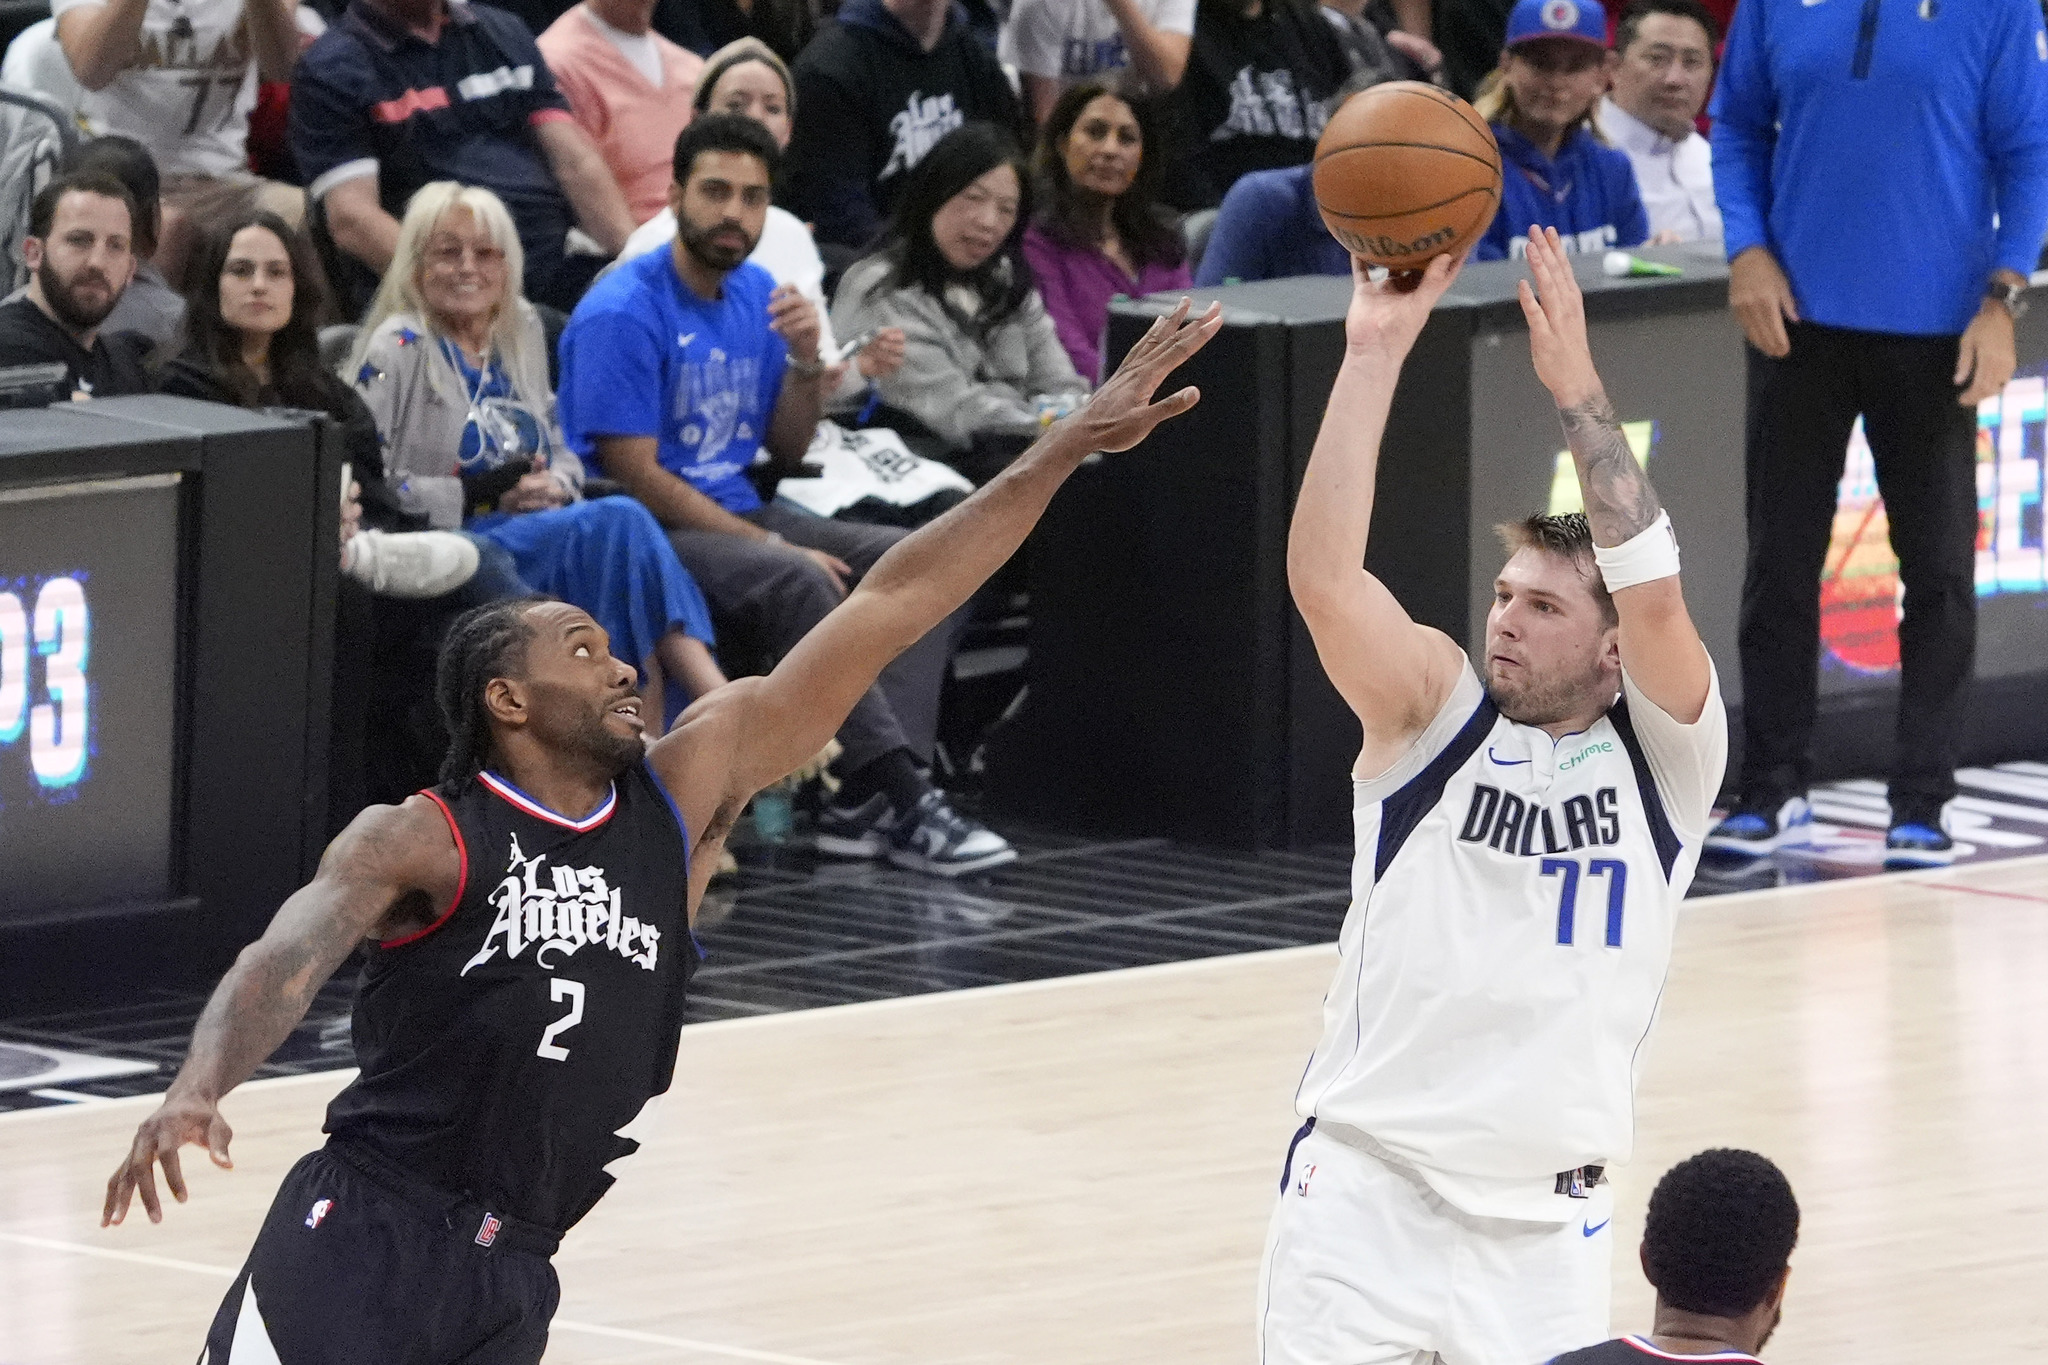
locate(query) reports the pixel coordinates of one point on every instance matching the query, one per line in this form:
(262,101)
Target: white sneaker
(413,564)
(1753,833)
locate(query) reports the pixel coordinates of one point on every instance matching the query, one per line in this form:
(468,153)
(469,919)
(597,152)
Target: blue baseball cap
(1583,21)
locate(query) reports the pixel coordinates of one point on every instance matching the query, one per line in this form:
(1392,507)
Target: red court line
(1981,891)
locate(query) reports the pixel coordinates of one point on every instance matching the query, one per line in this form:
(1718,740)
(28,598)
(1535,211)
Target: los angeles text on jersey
(573,909)
(1503,820)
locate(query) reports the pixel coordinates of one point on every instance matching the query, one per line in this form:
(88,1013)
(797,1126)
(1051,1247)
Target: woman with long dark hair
(1100,230)
(981,353)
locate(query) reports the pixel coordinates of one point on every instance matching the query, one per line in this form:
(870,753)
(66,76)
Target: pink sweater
(633,124)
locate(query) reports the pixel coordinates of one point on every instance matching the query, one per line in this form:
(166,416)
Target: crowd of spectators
(722,222)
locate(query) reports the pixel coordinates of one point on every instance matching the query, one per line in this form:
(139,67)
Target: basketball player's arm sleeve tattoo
(1620,503)
(267,992)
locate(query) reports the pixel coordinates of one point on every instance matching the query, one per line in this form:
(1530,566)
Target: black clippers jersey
(505,1047)
(1638,1351)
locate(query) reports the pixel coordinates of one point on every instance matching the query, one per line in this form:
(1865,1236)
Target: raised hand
(177,1121)
(795,319)
(1121,413)
(1556,312)
(1386,316)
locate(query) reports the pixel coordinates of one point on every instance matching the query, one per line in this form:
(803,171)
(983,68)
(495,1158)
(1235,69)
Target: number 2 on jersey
(1567,869)
(561,988)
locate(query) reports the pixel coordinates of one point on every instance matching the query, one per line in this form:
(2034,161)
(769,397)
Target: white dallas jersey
(188,95)
(1511,916)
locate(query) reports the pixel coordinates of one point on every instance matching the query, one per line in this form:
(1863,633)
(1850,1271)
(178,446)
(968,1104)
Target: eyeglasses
(450,256)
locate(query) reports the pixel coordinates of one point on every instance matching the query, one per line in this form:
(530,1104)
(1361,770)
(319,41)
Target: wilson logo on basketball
(1383,245)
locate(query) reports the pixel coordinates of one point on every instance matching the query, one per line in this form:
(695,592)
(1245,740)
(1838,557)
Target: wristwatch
(2010,296)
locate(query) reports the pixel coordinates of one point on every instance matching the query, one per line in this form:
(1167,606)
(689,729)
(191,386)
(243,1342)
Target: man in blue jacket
(1882,169)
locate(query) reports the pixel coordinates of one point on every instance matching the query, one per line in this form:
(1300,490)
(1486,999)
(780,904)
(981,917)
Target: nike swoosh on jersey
(1504,762)
(685,338)
(1588,1229)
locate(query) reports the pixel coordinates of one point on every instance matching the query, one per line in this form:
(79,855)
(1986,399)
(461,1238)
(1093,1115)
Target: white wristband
(1642,559)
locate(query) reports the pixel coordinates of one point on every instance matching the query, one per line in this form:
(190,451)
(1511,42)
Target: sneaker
(411,564)
(1753,833)
(934,838)
(1916,839)
(856,831)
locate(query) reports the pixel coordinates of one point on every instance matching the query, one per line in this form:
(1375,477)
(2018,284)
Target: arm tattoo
(1620,503)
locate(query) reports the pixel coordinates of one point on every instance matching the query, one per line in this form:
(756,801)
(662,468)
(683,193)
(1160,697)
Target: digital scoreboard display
(88,693)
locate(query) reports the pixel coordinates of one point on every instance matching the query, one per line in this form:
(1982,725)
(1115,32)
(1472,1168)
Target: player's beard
(57,292)
(1545,699)
(609,752)
(714,255)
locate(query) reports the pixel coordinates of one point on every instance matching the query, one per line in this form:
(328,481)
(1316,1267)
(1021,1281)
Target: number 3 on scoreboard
(1616,873)
(561,988)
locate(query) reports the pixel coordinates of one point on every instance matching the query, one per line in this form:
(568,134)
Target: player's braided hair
(1720,1232)
(484,643)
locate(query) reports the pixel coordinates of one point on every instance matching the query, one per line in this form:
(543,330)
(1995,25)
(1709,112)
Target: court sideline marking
(1922,877)
(559,1324)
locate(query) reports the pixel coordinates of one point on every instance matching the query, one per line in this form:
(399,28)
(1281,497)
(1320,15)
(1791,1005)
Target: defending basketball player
(527,924)
(1524,836)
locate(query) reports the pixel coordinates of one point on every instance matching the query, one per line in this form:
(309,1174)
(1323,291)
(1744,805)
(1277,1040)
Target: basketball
(1406,172)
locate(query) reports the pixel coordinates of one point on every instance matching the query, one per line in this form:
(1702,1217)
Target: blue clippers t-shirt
(1588,194)
(643,355)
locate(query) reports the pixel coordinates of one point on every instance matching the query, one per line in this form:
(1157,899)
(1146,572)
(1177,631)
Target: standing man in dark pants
(1882,169)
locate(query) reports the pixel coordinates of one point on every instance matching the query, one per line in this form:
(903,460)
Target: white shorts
(1367,1265)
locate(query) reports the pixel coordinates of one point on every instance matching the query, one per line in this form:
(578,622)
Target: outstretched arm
(1394,673)
(387,857)
(757,730)
(1660,648)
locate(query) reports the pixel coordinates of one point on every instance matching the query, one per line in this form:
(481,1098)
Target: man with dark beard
(677,369)
(528,930)
(1525,834)
(80,247)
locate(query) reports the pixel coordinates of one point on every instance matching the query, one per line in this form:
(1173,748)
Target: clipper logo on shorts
(487,1231)
(318,1212)
(1301,1185)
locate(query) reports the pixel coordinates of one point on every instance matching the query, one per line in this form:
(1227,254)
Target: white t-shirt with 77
(187,97)
(1075,39)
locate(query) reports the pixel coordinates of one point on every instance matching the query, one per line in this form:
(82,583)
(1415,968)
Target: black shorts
(358,1262)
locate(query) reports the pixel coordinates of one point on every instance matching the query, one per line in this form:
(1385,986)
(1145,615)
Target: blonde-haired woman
(452,363)
(1556,171)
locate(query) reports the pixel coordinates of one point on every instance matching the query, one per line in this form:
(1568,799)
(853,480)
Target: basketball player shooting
(1524,837)
(527,924)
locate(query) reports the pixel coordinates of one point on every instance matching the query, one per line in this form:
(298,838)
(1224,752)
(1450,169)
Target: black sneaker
(934,838)
(1752,832)
(1916,839)
(856,831)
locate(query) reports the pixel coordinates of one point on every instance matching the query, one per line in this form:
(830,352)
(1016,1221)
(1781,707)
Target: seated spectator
(1101,231)
(1555,171)
(1717,1248)
(453,366)
(746,78)
(80,250)
(982,356)
(180,78)
(630,88)
(1253,96)
(251,339)
(1054,43)
(1662,75)
(398,93)
(1376,46)
(149,307)
(1269,227)
(876,90)
(678,369)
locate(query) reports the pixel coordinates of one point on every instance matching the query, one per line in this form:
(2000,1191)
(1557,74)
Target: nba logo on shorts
(487,1232)
(318,1211)
(1301,1186)
(1560,15)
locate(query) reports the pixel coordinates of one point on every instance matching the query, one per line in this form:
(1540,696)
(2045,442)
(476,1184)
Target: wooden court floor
(1080,1170)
